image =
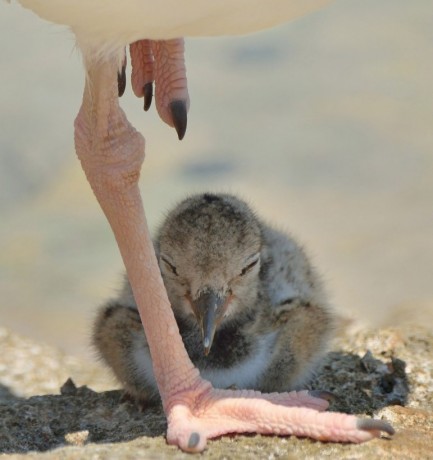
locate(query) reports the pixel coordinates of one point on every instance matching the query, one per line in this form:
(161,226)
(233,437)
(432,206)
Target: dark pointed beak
(209,308)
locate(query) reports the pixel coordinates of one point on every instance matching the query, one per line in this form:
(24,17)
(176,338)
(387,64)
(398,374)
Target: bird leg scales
(217,412)
(143,71)
(162,62)
(111,152)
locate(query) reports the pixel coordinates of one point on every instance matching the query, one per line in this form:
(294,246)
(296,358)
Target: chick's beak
(209,308)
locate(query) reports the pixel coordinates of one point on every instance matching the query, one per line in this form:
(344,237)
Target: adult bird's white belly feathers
(248,303)
(110,24)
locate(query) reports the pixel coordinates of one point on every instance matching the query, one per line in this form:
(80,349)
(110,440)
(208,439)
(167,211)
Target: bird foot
(203,413)
(161,62)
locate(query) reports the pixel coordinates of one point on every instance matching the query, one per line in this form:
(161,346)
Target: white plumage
(104,25)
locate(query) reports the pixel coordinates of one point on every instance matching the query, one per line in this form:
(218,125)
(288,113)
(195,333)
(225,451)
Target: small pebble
(77,438)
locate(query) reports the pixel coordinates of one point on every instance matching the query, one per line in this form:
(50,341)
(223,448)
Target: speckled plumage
(274,323)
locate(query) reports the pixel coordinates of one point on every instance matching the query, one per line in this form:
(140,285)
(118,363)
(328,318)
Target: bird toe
(369,424)
(326,395)
(178,110)
(121,80)
(148,95)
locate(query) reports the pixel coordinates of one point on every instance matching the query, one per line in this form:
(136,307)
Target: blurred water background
(325,125)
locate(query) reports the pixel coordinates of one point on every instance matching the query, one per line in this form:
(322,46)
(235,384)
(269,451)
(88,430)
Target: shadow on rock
(362,385)
(6,395)
(41,423)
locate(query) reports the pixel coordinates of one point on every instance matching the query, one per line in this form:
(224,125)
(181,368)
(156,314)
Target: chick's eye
(249,267)
(170,266)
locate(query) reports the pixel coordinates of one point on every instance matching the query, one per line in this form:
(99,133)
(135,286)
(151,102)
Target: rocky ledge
(385,373)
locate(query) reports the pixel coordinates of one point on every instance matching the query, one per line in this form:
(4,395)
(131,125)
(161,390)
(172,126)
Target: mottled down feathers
(250,307)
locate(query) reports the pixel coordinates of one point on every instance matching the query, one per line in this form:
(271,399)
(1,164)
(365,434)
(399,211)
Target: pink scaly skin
(111,152)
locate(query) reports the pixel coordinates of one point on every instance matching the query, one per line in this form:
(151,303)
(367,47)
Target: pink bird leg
(111,152)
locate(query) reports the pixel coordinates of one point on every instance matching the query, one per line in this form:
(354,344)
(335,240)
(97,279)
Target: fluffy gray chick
(249,305)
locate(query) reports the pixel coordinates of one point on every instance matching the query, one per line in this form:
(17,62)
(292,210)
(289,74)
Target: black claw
(326,395)
(369,424)
(178,114)
(194,439)
(121,80)
(148,95)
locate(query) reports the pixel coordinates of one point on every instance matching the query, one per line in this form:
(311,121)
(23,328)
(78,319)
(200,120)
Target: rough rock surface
(386,374)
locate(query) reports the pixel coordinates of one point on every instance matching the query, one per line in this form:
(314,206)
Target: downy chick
(249,305)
